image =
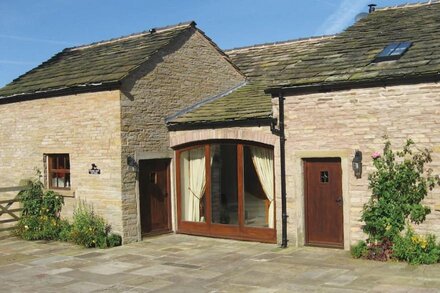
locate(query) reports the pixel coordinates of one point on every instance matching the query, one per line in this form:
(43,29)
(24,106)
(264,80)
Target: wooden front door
(154,192)
(323,202)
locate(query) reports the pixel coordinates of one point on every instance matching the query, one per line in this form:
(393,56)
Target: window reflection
(224,198)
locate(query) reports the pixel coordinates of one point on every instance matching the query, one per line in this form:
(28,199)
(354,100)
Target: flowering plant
(416,249)
(41,212)
(398,186)
(375,155)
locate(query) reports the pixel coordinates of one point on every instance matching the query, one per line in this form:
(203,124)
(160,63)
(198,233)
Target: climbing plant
(398,186)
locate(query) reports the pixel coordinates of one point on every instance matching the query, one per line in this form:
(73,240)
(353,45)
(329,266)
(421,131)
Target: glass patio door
(226,190)
(223,183)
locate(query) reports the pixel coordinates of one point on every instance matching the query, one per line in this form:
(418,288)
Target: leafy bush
(398,187)
(65,231)
(41,210)
(90,230)
(379,250)
(416,249)
(114,240)
(359,250)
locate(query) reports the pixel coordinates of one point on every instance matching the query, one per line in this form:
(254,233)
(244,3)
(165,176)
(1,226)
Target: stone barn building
(105,104)
(256,143)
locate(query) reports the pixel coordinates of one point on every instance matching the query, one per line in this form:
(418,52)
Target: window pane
(258,187)
(224,196)
(59,171)
(54,162)
(193,182)
(67,181)
(61,162)
(53,180)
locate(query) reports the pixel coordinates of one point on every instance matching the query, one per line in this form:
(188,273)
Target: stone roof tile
(94,64)
(264,65)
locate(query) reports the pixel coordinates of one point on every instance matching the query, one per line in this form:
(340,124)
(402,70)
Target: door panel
(154,195)
(323,202)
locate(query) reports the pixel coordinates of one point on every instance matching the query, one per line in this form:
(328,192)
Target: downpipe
(281,134)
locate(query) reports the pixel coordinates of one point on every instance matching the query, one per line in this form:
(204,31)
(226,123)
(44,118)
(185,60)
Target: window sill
(64,192)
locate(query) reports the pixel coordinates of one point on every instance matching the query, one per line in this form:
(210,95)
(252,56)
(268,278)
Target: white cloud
(343,16)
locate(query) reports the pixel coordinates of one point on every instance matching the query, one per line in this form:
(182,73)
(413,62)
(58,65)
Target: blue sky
(31,31)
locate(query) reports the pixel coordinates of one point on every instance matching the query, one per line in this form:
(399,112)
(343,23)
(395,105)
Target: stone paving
(181,263)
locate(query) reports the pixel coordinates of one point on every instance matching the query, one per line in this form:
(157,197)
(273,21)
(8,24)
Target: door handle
(340,201)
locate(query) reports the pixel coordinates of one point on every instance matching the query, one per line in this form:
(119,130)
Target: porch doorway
(154,196)
(323,202)
(226,189)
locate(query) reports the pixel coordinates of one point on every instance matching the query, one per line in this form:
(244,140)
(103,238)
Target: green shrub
(114,240)
(359,250)
(40,218)
(416,249)
(398,187)
(90,230)
(65,231)
(379,250)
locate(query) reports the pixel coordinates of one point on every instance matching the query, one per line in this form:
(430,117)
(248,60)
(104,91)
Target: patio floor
(181,263)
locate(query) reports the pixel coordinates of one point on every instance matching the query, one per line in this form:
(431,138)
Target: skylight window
(393,51)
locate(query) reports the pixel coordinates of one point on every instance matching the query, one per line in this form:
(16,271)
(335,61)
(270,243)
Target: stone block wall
(335,124)
(87,127)
(187,71)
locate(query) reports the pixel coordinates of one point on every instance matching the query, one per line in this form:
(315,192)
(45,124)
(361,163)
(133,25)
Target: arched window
(226,189)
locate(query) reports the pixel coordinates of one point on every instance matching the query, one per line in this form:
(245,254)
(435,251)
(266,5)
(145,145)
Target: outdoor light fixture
(357,164)
(131,162)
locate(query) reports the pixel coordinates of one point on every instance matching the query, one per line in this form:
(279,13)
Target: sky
(32,31)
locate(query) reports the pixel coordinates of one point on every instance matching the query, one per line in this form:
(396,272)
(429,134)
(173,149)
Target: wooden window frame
(51,170)
(207,228)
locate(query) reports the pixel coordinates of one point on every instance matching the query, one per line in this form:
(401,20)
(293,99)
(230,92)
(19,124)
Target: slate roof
(345,58)
(349,57)
(95,65)
(264,65)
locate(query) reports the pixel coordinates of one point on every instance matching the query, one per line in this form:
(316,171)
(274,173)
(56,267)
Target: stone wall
(335,124)
(87,127)
(183,73)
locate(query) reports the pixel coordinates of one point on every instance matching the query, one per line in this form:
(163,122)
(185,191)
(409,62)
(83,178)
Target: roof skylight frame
(393,51)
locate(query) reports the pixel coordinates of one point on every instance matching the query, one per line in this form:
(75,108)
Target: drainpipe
(280,132)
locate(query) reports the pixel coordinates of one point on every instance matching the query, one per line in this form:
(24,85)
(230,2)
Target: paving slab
(182,263)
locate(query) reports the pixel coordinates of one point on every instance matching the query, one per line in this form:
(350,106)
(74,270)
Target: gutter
(220,124)
(78,89)
(281,134)
(352,84)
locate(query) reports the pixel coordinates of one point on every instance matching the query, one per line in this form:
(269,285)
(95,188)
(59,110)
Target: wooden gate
(9,208)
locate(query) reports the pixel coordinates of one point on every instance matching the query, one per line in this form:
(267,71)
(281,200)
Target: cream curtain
(193,183)
(263,163)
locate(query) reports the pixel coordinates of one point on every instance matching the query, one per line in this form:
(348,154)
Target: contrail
(342,17)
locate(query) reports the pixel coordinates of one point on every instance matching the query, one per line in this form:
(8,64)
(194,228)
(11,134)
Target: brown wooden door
(323,202)
(154,190)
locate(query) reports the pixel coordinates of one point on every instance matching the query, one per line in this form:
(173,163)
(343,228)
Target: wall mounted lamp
(357,164)
(131,162)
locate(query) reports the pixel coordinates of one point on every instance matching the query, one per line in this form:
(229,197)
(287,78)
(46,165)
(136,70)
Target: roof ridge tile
(134,35)
(408,5)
